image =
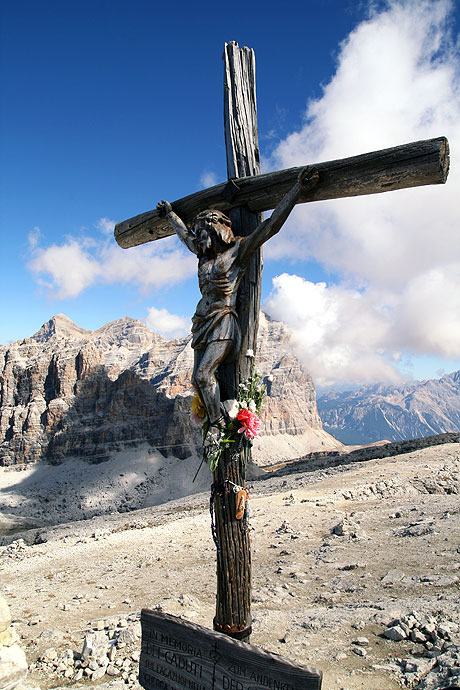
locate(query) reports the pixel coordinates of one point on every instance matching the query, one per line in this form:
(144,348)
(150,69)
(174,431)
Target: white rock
(13,667)
(9,637)
(395,633)
(5,616)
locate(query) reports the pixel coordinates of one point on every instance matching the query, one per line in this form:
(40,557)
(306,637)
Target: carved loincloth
(220,324)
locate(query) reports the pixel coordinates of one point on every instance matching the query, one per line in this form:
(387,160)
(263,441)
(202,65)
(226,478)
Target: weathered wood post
(233,599)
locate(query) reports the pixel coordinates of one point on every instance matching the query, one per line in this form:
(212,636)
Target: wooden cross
(243,198)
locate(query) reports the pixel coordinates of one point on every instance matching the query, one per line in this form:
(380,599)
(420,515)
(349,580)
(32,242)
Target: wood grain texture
(179,654)
(233,601)
(410,165)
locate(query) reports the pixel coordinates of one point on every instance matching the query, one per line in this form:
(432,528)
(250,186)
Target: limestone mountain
(69,392)
(374,413)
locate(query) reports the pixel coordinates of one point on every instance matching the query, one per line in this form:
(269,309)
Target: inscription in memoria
(178,655)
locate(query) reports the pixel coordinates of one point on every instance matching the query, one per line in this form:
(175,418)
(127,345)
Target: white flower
(252,406)
(249,353)
(242,404)
(231,407)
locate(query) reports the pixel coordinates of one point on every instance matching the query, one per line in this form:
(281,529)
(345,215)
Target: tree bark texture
(233,601)
(411,165)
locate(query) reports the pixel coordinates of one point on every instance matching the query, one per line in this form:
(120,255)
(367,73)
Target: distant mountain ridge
(378,412)
(68,392)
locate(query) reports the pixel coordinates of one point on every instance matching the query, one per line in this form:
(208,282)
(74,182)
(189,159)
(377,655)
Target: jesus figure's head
(213,232)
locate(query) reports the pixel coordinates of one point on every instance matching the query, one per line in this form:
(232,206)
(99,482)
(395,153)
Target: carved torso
(215,317)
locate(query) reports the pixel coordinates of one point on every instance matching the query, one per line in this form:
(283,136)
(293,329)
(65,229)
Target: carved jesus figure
(222,260)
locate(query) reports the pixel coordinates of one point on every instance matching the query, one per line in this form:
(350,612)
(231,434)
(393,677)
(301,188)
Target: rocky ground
(356,571)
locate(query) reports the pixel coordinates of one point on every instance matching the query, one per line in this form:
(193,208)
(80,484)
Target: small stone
(112,670)
(392,577)
(284,528)
(339,529)
(417,530)
(359,651)
(429,627)
(395,633)
(418,637)
(49,654)
(126,636)
(78,675)
(98,673)
(100,625)
(361,641)
(434,652)
(411,621)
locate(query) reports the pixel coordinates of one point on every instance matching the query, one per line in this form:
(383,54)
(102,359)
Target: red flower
(250,423)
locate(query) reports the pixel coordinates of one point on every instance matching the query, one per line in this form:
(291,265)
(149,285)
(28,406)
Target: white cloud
(69,268)
(76,264)
(208,179)
(34,238)
(338,332)
(106,225)
(397,80)
(170,325)
(346,336)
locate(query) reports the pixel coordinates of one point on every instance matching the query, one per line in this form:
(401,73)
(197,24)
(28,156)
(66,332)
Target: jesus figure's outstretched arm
(307,178)
(178,225)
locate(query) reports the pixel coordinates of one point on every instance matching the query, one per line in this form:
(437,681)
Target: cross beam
(410,165)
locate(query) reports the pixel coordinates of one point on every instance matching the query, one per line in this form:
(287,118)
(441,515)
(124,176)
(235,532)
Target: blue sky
(108,107)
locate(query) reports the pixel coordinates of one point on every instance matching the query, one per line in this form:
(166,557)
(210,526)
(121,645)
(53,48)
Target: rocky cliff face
(375,413)
(67,392)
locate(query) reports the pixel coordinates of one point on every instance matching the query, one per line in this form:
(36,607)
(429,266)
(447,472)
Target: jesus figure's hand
(163,208)
(308,177)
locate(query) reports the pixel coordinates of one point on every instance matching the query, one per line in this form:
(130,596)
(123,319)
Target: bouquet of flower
(242,422)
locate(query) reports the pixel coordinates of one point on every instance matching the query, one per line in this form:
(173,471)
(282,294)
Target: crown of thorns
(213,216)
(222,225)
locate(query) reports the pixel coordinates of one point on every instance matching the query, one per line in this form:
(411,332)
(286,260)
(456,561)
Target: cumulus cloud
(397,80)
(337,331)
(170,325)
(68,268)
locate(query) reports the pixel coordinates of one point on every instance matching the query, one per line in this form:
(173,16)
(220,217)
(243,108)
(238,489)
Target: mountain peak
(60,326)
